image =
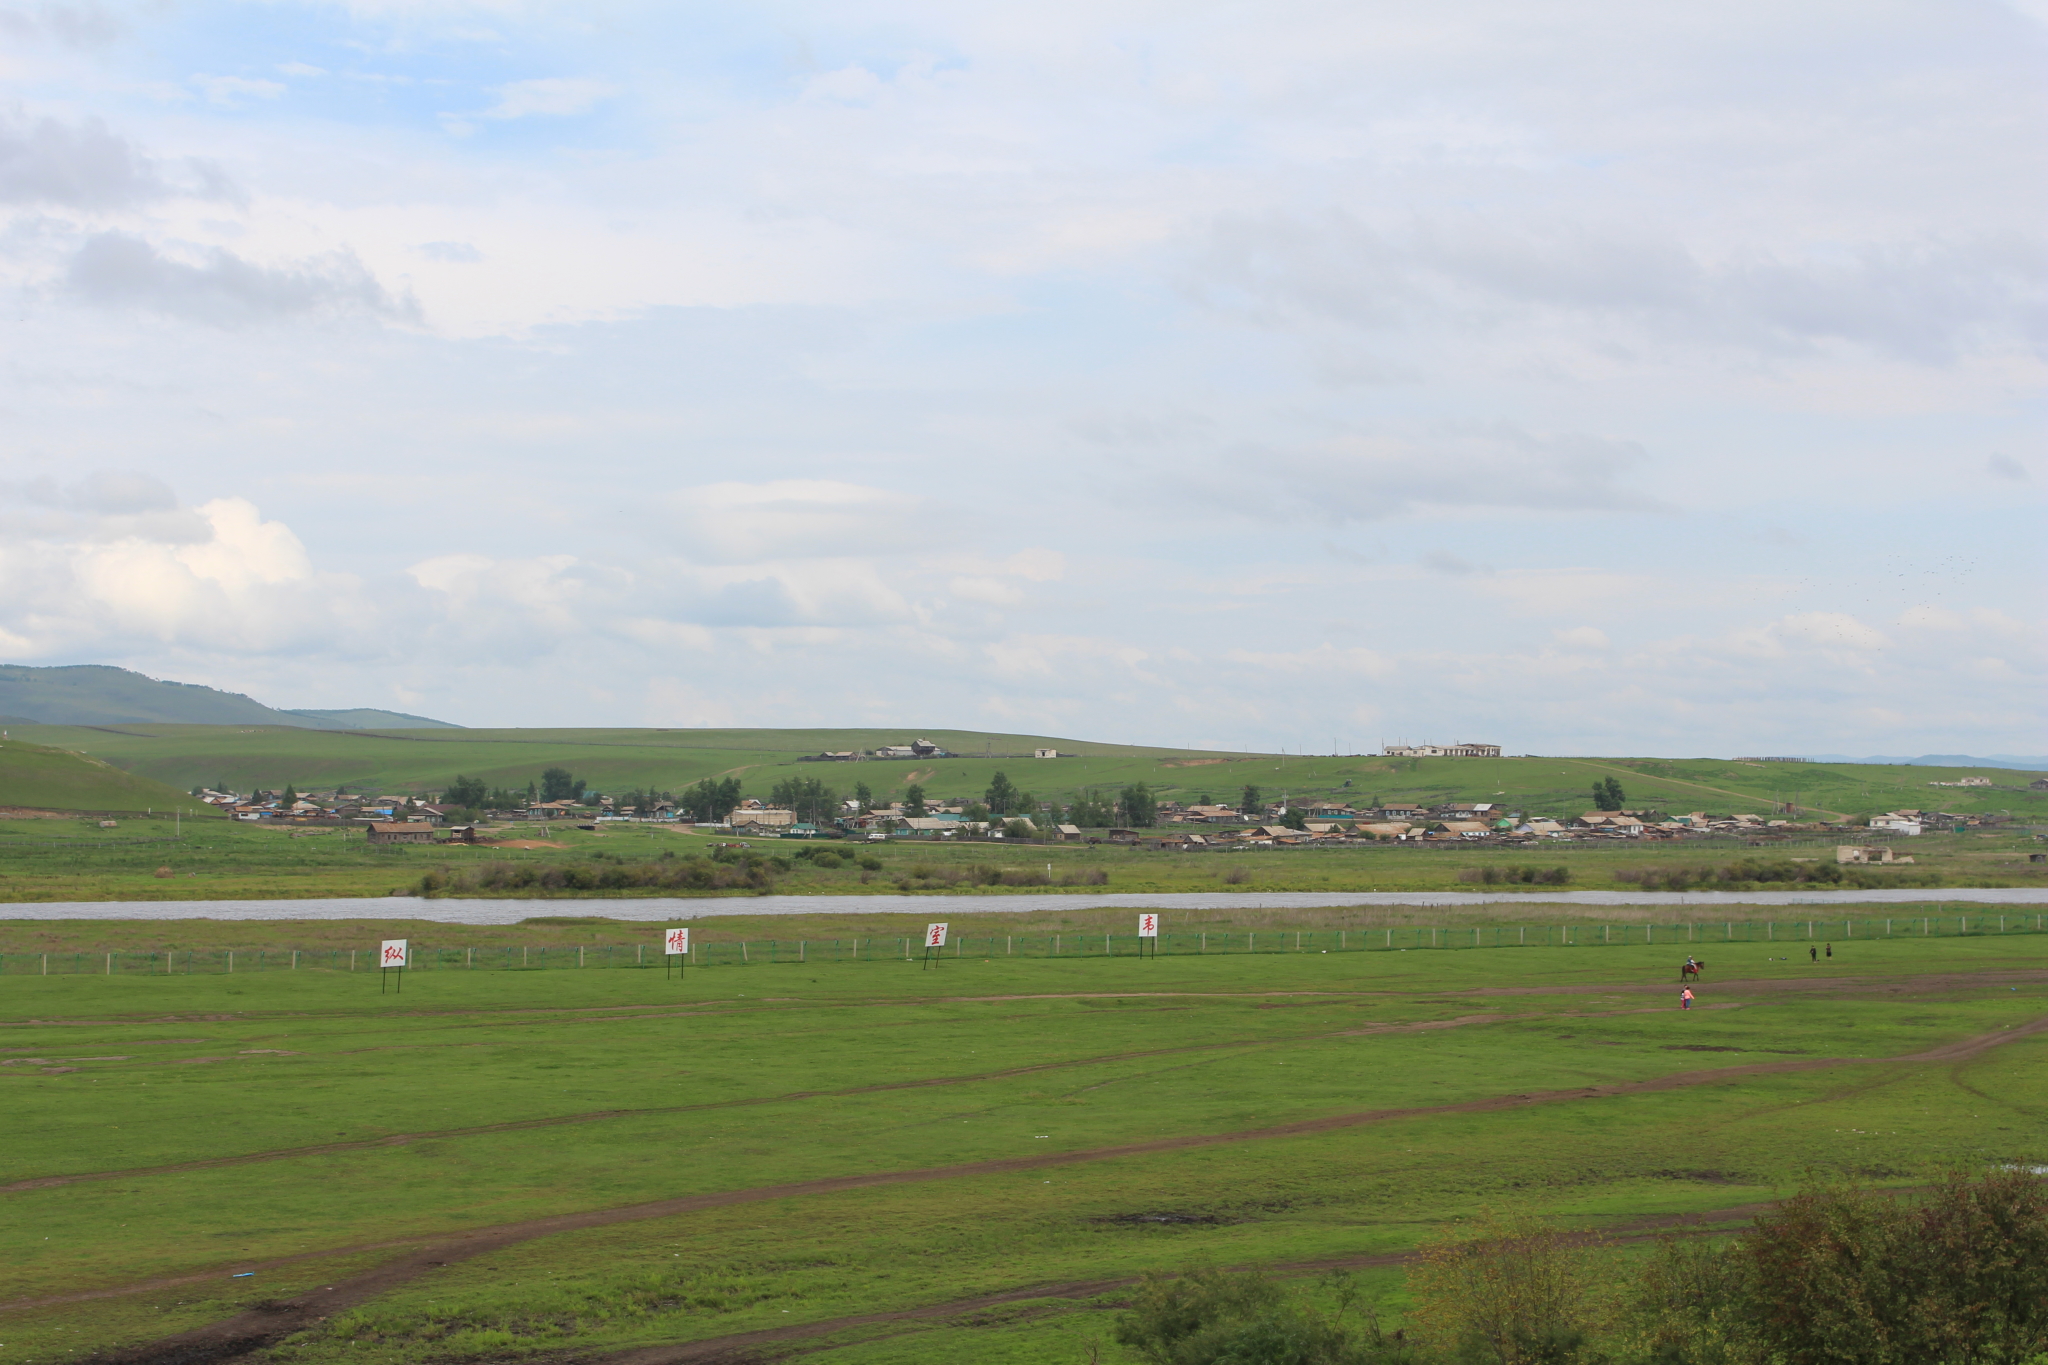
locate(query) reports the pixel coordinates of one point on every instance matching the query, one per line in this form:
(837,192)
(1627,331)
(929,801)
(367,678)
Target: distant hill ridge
(100,694)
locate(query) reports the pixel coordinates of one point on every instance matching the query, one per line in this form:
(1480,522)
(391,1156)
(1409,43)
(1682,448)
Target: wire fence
(1694,938)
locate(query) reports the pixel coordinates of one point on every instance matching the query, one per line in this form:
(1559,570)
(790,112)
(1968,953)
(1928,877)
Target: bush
(869,862)
(1511,1291)
(1843,1274)
(1517,876)
(1216,1317)
(1748,873)
(740,870)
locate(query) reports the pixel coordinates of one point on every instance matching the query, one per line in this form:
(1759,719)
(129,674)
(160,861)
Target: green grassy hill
(410,761)
(37,777)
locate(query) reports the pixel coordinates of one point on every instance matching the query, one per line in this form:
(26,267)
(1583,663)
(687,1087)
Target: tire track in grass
(744,1348)
(256,1327)
(605,1115)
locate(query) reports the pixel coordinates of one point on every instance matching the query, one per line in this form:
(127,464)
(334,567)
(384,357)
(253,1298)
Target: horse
(1691,970)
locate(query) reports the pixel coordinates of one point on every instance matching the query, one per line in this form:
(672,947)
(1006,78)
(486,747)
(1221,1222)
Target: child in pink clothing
(1685,998)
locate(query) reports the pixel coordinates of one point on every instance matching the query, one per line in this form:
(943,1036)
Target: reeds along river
(456,910)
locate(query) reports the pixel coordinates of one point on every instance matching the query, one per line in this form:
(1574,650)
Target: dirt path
(604,1115)
(252,1329)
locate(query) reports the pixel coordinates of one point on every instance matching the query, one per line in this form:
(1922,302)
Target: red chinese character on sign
(678,941)
(935,936)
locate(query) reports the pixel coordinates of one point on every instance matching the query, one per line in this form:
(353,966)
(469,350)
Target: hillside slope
(36,777)
(99,694)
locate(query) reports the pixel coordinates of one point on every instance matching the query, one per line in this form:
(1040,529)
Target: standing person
(1813,953)
(1685,998)
(1831,950)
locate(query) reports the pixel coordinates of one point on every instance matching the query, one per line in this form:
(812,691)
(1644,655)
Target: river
(456,910)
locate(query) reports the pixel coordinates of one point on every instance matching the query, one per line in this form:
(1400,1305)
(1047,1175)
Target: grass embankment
(182,1129)
(38,781)
(415,761)
(226,860)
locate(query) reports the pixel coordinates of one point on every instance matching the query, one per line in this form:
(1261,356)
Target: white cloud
(556,96)
(233,91)
(781,519)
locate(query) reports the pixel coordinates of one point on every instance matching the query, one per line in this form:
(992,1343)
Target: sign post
(391,958)
(934,939)
(1148,927)
(675,949)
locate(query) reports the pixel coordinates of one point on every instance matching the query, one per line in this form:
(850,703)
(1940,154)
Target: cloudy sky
(1581,377)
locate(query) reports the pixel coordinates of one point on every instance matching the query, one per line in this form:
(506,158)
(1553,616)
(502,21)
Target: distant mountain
(97,694)
(370,718)
(2026,762)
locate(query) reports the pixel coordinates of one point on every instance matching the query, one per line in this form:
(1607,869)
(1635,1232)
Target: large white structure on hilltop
(1440,750)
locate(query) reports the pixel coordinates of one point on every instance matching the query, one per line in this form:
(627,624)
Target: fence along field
(868,1141)
(904,948)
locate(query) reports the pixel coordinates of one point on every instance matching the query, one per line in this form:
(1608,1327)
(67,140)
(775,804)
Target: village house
(401,832)
(1873,853)
(762,817)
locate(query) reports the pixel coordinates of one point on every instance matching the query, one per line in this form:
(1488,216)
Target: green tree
(1294,819)
(1607,794)
(863,794)
(464,791)
(1249,802)
(913,801)
(1090,811)
(712,799)
(977,812)
(289,796)
(1001,796)
(1137,806)
(1206,800)
(809,797)
(557,785)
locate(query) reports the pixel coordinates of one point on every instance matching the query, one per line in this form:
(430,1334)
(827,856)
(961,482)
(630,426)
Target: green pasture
(66,860)
(167,1132)
(43,777)
(419,761)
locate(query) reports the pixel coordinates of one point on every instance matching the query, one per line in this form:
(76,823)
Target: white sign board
(1148,926)
(935,936)
(393,954)
(676,942)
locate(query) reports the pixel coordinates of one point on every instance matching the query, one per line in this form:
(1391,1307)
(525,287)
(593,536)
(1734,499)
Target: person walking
(1685,998)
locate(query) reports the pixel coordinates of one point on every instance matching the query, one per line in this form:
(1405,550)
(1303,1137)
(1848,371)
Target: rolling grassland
(887,1163)
(413,761)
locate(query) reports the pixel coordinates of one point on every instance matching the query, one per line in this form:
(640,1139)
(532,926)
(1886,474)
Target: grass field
(498,1165)
(412,761)
(76,860)
(39,777)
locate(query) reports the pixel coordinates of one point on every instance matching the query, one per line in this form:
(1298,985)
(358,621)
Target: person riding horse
(1691,970)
